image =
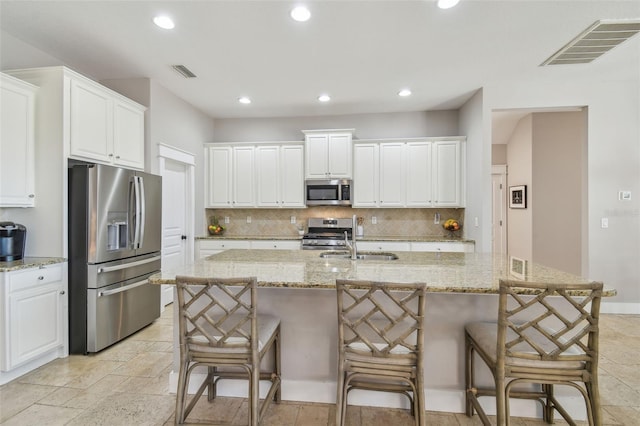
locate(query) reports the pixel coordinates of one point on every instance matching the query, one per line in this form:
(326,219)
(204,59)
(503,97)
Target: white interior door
(177,216)
(499,222)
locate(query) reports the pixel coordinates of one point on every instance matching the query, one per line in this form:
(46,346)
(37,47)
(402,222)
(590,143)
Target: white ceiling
(360,52)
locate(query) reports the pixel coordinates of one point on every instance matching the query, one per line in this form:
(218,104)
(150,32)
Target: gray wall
(367,126)
(559,160)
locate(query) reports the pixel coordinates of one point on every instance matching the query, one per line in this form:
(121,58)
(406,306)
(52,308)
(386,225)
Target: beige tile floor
(127,385)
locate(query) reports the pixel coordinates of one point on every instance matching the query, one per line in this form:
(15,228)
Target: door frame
(499,170)
(167,152)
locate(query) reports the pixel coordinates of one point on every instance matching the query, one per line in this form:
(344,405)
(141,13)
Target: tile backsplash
(390,222)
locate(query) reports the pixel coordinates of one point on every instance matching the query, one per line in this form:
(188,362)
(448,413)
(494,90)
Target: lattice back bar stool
(381,341)
(219,328)
(546,335)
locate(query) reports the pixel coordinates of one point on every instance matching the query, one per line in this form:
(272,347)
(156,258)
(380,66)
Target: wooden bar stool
(381,341)
(220,329)
(544,336)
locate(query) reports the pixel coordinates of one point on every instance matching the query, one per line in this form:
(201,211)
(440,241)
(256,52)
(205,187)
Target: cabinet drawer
(224,244)
(455,247)
(383,246)
(275,245)
(22,280)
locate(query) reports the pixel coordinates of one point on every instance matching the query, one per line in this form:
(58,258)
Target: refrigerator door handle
(122,289)
(128,265)
(136,212)
(143,209)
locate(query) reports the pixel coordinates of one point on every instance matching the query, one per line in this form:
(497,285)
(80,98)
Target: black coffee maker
(13,237)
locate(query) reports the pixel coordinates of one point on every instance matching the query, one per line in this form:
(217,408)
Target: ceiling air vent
(594,42)
(184,71)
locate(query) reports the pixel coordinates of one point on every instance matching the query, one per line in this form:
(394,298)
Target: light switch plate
(624,195)
(604,222)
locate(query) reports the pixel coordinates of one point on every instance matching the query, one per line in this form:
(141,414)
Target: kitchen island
(297,286)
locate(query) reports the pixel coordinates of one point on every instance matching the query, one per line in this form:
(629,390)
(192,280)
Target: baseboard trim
(620,308)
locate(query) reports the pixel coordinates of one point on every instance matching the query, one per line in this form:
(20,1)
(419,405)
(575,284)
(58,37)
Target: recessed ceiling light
(447,4)
(324,98)
(404,92)
(300,14)
(244,100)
(164,22)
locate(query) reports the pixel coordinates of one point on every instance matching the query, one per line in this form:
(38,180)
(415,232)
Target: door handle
(122,289)
(128,265)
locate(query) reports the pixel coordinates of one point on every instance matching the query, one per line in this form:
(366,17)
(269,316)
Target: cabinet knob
(117,157)
(62,292)
(31,195)
(41,278)
(110,155)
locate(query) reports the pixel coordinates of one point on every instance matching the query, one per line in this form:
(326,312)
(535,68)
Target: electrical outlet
(226,219)
(475,221)
(374,220)
(248,219)
(436,218)
(293,219)
(604,222)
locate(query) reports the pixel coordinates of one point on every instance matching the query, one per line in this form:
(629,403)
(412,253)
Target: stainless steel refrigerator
(114,246)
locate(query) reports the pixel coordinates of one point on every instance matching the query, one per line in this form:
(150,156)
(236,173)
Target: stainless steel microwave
(328,192)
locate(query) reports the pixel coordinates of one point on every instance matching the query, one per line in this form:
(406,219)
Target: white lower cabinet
(34,320)
(431,246)
(383,245)
(276,244)
(206,248)
(446,246)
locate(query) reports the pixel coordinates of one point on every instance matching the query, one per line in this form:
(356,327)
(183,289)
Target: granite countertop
(443,272)
(29,262)
(422,239)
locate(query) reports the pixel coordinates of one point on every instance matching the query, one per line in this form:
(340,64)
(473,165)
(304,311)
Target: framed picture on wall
(518,197)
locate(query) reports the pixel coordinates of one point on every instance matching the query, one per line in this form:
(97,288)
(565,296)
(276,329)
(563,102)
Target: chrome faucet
(353,250)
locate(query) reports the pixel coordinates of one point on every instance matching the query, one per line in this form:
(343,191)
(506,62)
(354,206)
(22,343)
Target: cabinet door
(292,176)
(365,175)
(243,176)
(392,178)
(316,163)
(128,135)
(339,155)
(17,155)
(267,176)
(218,181)
(447,174)
(91,122)
(418,174)
(35,322)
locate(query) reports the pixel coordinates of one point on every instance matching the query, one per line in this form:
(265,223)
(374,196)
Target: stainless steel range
(327,234)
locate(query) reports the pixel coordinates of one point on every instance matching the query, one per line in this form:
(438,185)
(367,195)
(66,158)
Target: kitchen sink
(361,256)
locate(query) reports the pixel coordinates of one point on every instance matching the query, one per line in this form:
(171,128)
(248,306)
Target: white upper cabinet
(17,155)
(280,176)
(328,153)
(418,173)
(392,175)
(230,175)
(241,175)
(365,174)
(105,127)
(448,174)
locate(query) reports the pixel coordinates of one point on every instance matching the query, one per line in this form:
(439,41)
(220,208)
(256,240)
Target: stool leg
(469,382)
